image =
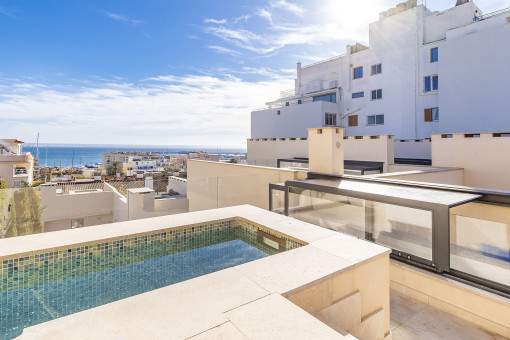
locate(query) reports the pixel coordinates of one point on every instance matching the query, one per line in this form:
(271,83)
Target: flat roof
(344,186)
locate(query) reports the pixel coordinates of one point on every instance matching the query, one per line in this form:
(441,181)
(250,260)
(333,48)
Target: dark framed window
(434,54)
(326,98)
(432,114)
(376,94)
(431,83)
(375,120)
(358,72)
(358,95)
(330,119)
(376,69)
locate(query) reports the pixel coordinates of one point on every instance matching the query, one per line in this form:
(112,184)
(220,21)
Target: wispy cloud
(224,50)
(186,110)
(214,21)
(7,11)
(326,21)
(123,18)
(287,6)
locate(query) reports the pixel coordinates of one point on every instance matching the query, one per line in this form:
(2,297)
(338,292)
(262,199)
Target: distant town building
(16,166)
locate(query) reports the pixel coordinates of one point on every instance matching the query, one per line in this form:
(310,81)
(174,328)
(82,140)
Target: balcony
(22,158)
(290,120)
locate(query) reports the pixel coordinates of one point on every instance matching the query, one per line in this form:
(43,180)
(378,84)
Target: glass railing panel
(480,241)
(277,201)
(402,228)
(335,212)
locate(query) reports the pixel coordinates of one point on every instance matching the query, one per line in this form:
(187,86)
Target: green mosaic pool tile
(57,265)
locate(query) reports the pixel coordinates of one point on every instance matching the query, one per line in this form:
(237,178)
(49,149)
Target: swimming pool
(42,287)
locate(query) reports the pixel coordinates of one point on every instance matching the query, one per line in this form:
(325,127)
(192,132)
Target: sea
(76,155)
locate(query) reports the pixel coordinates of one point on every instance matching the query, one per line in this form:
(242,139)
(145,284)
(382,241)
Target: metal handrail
(324,61)
(287,93)
(491,14)
(279,105)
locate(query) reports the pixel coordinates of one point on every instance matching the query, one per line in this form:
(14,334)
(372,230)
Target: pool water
(43,302)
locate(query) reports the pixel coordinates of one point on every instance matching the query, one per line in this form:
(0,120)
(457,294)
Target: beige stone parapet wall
(488,311)
(217,185)
(485,159)
(426,174)
(266,151)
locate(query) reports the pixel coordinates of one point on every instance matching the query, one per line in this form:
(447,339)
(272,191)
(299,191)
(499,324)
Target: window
(287,103)
(375,120)
(376,69)
(358,72)
(299,101)
(326,98)
(376,94)
(434,54)
(330,119)
(432,114)
(353,120)
(77,223)
(431,83)
(358,95)
(278,112)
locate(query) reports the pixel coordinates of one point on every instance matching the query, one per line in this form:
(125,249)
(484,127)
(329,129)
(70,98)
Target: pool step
(344,316)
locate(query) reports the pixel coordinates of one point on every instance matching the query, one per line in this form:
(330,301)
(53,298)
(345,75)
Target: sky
(164,72)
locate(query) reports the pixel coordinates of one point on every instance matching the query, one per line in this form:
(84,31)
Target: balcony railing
(287,93)
(285,104)
(491,14)
(461,234)
(20,171)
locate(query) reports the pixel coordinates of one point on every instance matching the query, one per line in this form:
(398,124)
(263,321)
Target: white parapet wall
(483,156)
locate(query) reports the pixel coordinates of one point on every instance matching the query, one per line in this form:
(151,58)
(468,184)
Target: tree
(114,168)
(25,216)
(233,160)
(3,205)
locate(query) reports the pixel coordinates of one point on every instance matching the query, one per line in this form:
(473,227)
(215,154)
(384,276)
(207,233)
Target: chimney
(326,150)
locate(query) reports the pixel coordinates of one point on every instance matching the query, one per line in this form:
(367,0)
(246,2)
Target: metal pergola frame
(440,219)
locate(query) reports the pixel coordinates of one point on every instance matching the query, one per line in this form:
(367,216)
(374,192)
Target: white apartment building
(16,167)
(142,164)
(423,72)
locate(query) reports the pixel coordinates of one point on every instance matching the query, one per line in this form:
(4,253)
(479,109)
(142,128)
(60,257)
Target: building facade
(423,73)
(16,166)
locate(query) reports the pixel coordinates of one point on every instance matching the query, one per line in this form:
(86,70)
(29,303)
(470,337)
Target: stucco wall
(266,151)
(411,148)
(474,78)
(292,121)
(485,160)
(217,185)
(170,206)
(58,207)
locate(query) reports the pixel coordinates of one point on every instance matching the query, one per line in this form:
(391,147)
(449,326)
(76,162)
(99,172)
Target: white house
(16,166)
(423,72)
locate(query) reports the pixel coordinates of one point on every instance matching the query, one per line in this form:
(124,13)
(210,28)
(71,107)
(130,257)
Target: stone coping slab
(210,303)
